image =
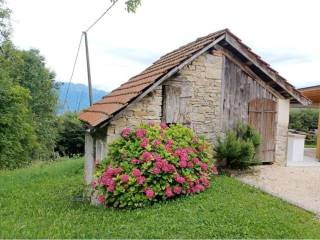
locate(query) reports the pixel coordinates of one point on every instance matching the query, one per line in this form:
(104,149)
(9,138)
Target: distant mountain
(77,98)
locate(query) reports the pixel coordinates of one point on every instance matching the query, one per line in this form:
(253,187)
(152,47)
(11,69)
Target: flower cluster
(153,163)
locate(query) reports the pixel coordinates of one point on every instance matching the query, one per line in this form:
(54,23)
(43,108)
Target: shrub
(303,119)
(238,148)
(70,140)
(152,164)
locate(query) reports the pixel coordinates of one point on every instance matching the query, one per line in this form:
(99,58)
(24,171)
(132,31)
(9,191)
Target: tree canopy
(28,101)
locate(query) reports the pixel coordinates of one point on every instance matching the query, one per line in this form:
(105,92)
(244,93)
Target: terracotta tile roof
(119,98)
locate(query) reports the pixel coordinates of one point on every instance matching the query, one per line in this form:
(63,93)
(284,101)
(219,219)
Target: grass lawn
(310,145)
(39,202)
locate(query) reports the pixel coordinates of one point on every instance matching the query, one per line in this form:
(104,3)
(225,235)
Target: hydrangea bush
(151,164)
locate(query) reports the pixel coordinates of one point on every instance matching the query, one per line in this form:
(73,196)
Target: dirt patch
(297,185)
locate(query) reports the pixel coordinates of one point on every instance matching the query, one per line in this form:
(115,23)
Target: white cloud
(274,29)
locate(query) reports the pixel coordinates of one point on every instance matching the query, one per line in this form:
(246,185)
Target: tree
(303,119)
(27,69)
(33,75)
(5,26)
(132,5)
(18,141)
(70,140)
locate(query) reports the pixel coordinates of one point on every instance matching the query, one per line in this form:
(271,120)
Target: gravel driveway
(297,185)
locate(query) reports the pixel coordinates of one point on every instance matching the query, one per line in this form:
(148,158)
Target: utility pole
(88,67)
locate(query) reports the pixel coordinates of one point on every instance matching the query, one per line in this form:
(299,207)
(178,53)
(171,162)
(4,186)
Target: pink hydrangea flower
(204,181)
(169,192)
(156,143)
(190,165)
(177,189)
(140,180)
(168,148)
(159,164)
(94,184)
(109,172)
(184,157)
(204,166)
(144,142)
(163,125)
(195,160)
(180,179)
(149,193)
(135,161)
(214,170)
(156,171)
(183,164)
(172,168)
(147,156)
(140,133)
(165,166)
(125,178)
(111,188)
(101,199)
(125,132)
(136,172)
(190,183)
(199,188)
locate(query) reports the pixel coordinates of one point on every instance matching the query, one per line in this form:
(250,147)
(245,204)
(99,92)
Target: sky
(285,33)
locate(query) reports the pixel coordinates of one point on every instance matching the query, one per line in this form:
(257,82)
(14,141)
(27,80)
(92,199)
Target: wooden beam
(276,78)
(318,139)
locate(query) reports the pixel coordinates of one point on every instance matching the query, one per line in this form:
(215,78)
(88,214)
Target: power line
(77,54)
(72,72)
(102,15)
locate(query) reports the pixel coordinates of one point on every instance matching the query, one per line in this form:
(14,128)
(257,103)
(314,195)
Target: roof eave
(236,43)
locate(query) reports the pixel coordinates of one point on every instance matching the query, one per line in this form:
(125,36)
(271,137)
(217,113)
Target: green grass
(39,202)
(310,145)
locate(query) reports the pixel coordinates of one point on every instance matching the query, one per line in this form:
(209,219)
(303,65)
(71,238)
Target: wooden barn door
(262,116)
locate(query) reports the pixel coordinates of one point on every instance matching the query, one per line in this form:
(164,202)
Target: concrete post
(283,108)
(89,165)
(318,139)
(100,149)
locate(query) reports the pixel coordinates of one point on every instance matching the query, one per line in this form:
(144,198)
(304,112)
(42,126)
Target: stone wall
(198,105)
(144,111)
(199,101)
(283,107)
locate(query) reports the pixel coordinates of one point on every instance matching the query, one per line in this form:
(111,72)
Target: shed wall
(238,90)
(198,104)
(144,111)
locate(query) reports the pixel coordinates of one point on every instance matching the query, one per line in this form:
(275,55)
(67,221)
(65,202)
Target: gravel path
(297,185)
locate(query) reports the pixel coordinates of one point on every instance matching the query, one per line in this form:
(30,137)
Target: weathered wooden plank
(262,116)
(239,90)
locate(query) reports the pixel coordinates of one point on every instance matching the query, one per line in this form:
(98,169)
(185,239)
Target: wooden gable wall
(238,89)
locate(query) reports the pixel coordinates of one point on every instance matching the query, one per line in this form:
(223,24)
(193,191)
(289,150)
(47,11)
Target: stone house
(210,85)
